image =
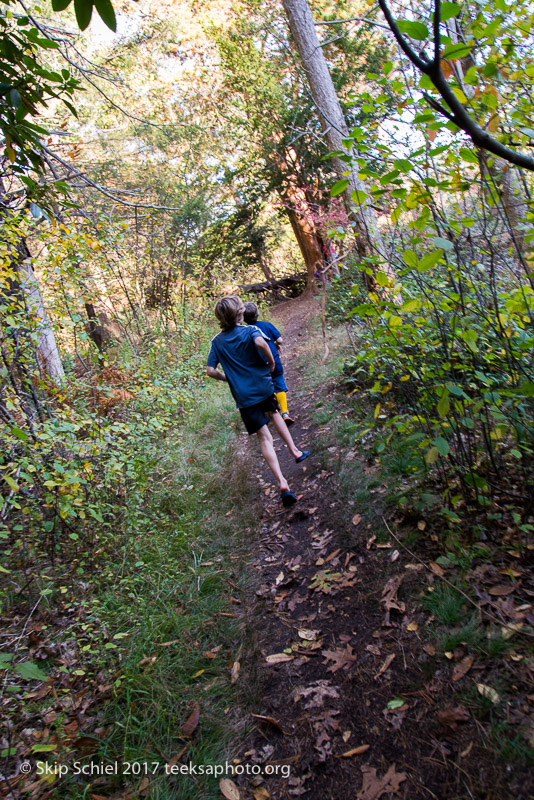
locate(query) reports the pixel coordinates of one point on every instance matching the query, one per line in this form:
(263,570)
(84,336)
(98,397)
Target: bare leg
(269,454)
(284,434)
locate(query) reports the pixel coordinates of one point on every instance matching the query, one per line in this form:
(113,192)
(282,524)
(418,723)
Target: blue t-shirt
(248,375)
(272,334)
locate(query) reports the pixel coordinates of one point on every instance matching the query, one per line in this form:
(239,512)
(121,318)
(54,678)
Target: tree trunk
(47,351)
(369,240)
(308,244)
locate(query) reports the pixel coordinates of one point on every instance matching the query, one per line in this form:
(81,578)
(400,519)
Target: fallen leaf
(374,787)
(489,692)
(278,658)
(317,693)
(261,793)
(450,717)
(412,626)
(356,519)
(333,555)
(389,596)
(342,658)
(462,668)
(436,569)
(272,721)
(229,789)
(167,644)
(501,590)
(421,525)
(212,653)
(192,721)
(234,672)
(346,736)
(384,666)
(467,750)
(309,635)
(356,751)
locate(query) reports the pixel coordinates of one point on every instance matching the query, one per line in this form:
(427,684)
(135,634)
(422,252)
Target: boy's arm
(278,344)
(265,350)
(214,373)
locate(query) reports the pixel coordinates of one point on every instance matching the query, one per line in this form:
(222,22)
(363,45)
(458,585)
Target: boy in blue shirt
(274,339)
(242,351)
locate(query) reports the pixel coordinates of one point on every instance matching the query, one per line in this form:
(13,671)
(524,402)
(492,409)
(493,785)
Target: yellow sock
(282,401)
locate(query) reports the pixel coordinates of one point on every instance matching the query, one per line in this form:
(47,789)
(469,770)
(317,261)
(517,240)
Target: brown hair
(229,311)
(251,313)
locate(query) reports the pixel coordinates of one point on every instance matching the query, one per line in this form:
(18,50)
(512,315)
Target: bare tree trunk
(369,240)
(47,351)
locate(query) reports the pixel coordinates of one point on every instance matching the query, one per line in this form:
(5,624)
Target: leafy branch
(455,111)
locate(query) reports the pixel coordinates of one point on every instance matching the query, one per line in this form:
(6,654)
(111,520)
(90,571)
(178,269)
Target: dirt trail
(337,638)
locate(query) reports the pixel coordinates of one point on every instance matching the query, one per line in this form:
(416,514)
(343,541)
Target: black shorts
(255,417)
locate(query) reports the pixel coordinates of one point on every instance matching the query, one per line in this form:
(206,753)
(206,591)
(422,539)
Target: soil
(354,698)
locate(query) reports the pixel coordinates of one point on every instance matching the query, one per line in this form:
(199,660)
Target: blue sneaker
(305,454)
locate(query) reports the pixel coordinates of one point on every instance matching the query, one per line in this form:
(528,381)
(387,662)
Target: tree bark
(369,240)
(47,351)
(308,244)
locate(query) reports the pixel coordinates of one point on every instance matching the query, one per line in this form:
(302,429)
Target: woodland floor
(336,631)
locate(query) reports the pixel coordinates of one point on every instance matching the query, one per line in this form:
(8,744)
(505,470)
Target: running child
(274,340)
(243,352)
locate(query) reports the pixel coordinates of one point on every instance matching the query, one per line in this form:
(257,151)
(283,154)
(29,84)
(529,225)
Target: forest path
(330,645)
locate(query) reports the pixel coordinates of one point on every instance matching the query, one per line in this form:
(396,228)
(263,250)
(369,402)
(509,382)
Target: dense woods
(156,155)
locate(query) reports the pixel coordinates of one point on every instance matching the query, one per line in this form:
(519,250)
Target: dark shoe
(287,419)
(305,454)
(288,498)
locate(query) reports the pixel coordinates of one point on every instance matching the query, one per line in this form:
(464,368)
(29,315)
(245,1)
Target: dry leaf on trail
(384,666)
(272,721)
(462,668)
(229,789)
(308,635)
(261,793)
(489,693)
(436,569)
(501,590)
(192,721)
(167,644)
(374,787)
(278,658)
(177,756)
(234,672)
(389,596)
(450,717)
(341,658)
(356,519)
(317,693)
(356,751)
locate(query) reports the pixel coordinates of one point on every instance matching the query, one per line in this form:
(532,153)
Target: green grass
(183,541)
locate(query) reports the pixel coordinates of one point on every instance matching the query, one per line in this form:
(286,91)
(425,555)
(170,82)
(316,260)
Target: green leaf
(468,155)
(359,197)
(11,483)
(30,671)
(60,5)
(413,29)
(442,445)
(84,11)
(107,14)
(444,405)
(395,321)
(430,260)
(445,244)
(410,258)
(44,748)
(381,278)
(20,434)
(397,702)
(454,51)
(339,187)
(432,455)
(449,10)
